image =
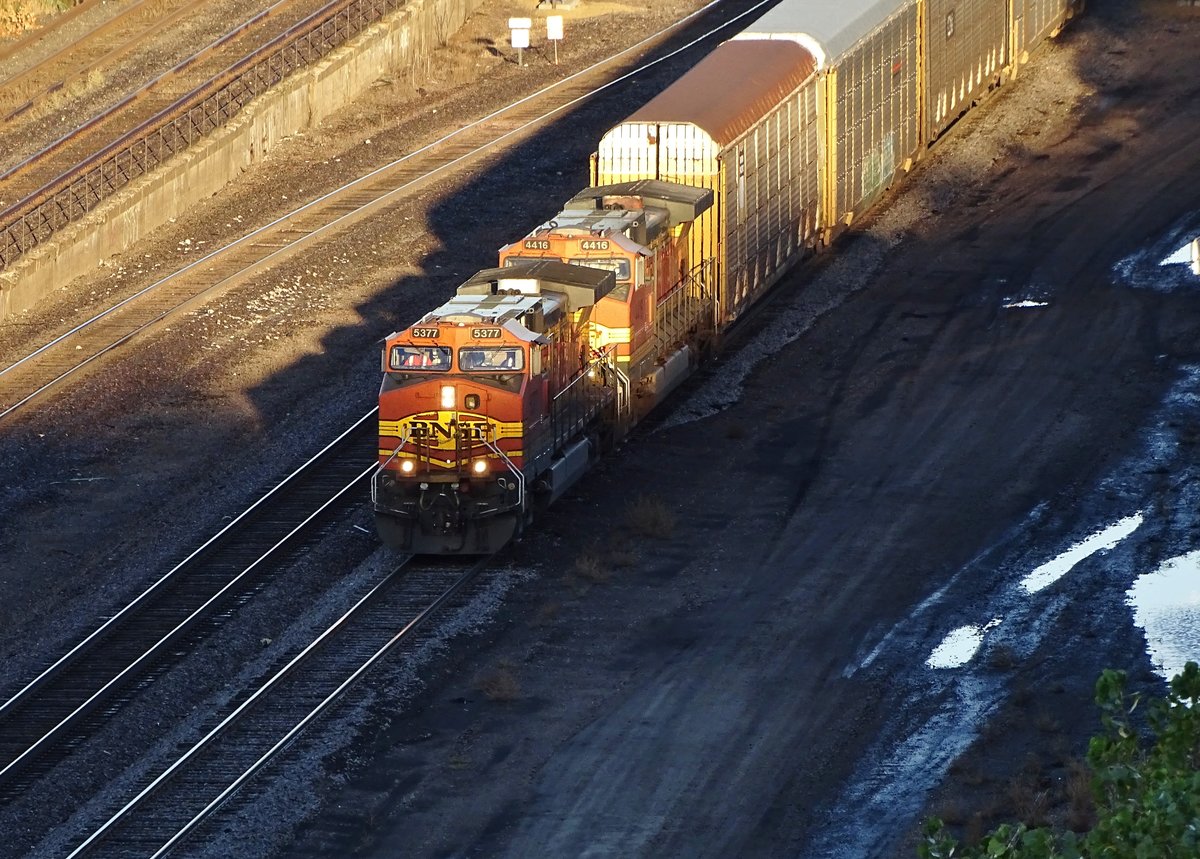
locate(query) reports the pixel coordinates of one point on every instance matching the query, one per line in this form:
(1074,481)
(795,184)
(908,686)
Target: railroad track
(206,278)
(41,723)
(239,743)
(104,47)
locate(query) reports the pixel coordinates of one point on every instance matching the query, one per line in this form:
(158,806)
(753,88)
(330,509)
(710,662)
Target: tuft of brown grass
(1002,658)
(590,567)
(1081,809)
(953,811)
(547,613)
(1030,802)
(500,684)
(967,772)
(622,556)
(649,516)
(1046,723)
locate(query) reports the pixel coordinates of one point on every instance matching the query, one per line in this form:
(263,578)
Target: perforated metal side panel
(772,187)
(872,114)
(1035,20)
(967,49)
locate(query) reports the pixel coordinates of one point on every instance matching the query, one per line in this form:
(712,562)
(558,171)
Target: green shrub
(1146,794)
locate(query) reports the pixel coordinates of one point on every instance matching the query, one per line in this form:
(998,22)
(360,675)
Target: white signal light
(479,466)
(408,466)
(448,399)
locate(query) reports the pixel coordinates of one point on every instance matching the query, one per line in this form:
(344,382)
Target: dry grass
(967,772)
(17,16)
(1046,723)
(622,556)
(1030,801)
(500,684)
(1081,810)
(649,516)
(591,567)
(547,613)
(1002,658)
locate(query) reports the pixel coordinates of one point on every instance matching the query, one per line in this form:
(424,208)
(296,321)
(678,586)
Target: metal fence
(80,190)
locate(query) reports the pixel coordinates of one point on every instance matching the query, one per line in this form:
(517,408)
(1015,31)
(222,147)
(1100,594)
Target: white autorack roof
(827,28)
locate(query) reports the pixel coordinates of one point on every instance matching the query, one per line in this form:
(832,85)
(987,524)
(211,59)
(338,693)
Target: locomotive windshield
(408,358)
(492,359)
(618,266)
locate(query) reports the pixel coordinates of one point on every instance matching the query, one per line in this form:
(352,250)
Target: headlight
(448,399)
(408,466)
(479,466)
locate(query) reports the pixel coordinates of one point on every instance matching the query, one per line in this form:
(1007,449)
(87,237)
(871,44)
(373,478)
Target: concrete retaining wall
(395,45)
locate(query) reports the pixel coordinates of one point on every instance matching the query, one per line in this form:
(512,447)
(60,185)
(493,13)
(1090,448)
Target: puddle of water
(1009,305)
(959,646)
(1054,569)
(1166,604)
(1188,255)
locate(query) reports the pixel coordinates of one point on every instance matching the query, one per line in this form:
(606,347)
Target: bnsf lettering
(594,245)
(424,332)
(537,244)
(433,431)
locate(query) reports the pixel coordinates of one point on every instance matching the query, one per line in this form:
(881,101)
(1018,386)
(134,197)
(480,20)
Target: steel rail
(359,210)
(301,658)
(27,695)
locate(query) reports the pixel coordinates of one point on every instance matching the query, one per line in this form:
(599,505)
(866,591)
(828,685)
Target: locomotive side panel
(966,49)
(772,194)
(872,116)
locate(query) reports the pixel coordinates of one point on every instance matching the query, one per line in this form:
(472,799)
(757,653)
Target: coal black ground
(717,645)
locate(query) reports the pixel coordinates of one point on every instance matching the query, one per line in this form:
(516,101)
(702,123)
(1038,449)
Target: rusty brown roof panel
(732,88)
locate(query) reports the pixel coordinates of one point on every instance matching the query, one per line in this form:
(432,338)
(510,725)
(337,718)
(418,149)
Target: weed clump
(500,684)
(649,516)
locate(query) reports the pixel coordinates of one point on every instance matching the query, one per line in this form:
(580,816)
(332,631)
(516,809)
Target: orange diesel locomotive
(495,402)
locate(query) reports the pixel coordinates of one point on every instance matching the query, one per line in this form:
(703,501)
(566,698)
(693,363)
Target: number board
(594,245)
(424,332)
(537,244)
(485,333)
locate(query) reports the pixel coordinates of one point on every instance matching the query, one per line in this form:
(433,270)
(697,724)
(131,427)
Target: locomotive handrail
(379,468)
(511,466)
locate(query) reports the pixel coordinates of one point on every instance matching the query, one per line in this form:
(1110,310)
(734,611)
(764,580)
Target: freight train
(495,402)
